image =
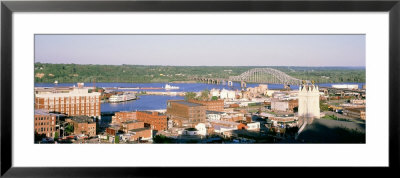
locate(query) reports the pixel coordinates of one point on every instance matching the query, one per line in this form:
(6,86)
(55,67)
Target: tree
(205,94)
(190,96)
(39,137)
(56,136)
(323,107)
(116,139)
(161,139)
(214,98)
(69,129)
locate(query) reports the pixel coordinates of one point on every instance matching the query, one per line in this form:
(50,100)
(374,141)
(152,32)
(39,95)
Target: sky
(202,50)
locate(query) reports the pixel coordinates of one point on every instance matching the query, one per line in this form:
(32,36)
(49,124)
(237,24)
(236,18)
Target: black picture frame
(8,7)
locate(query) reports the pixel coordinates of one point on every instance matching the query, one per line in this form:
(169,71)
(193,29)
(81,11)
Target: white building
(214,115)
(201,129)
(214,92)
(309,101)
(346,86)
(253,126)
(278,105)
(227,94)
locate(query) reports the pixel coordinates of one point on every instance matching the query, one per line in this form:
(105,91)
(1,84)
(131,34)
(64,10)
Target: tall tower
(309,101)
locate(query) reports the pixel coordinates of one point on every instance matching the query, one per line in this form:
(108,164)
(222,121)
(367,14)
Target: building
(227,94)
(355,112)
(283,105)
(113,129)
(283,118)
(156,120)
(214,92)
(71,102)
(214,115)
(123,116)
(185,114)
(201,129)
(257,91)
(309,101)
(233,116)
(130,125)
(230,124)
(140,134)
(253,126)
(46,90)
(45,123)
(346,86)
(357,101)
(216,105)
(83,125)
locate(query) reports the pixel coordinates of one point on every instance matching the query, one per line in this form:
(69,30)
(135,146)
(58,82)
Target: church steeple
(309,100)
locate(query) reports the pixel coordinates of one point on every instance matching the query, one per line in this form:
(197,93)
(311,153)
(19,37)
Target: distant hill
(71,73)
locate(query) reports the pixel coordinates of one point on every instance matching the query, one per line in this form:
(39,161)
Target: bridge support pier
(243,84)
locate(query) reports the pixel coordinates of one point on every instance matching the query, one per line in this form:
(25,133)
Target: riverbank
(191,81)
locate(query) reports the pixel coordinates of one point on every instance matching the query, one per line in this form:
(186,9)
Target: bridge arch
(266,75)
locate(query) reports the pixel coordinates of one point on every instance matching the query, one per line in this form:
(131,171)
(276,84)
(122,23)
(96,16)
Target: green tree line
(72,73)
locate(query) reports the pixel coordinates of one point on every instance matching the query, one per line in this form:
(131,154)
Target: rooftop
(139,129)
(41,112)
(131,121)
(187,103)
(45,112)
(82,119)
(214,112)
(114,126)
(151,112)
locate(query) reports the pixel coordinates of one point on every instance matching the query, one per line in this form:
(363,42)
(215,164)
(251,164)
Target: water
(145,102)
(185,87)
(156,102)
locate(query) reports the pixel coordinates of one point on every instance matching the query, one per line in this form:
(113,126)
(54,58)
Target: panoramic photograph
(199,89)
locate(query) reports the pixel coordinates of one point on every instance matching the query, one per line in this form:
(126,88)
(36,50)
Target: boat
(122,97)
(170,87)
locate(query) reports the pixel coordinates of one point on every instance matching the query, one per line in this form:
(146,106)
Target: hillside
(71,73)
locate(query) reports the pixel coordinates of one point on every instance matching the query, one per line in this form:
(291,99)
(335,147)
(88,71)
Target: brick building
(45,123)
(156,120)
(140,134)
(133,124)
(217,105)
(123,116)
(113,129)
(83,125)
(72,102)
(185,114)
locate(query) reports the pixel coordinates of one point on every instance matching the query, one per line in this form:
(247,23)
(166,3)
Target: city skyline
(203,50)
